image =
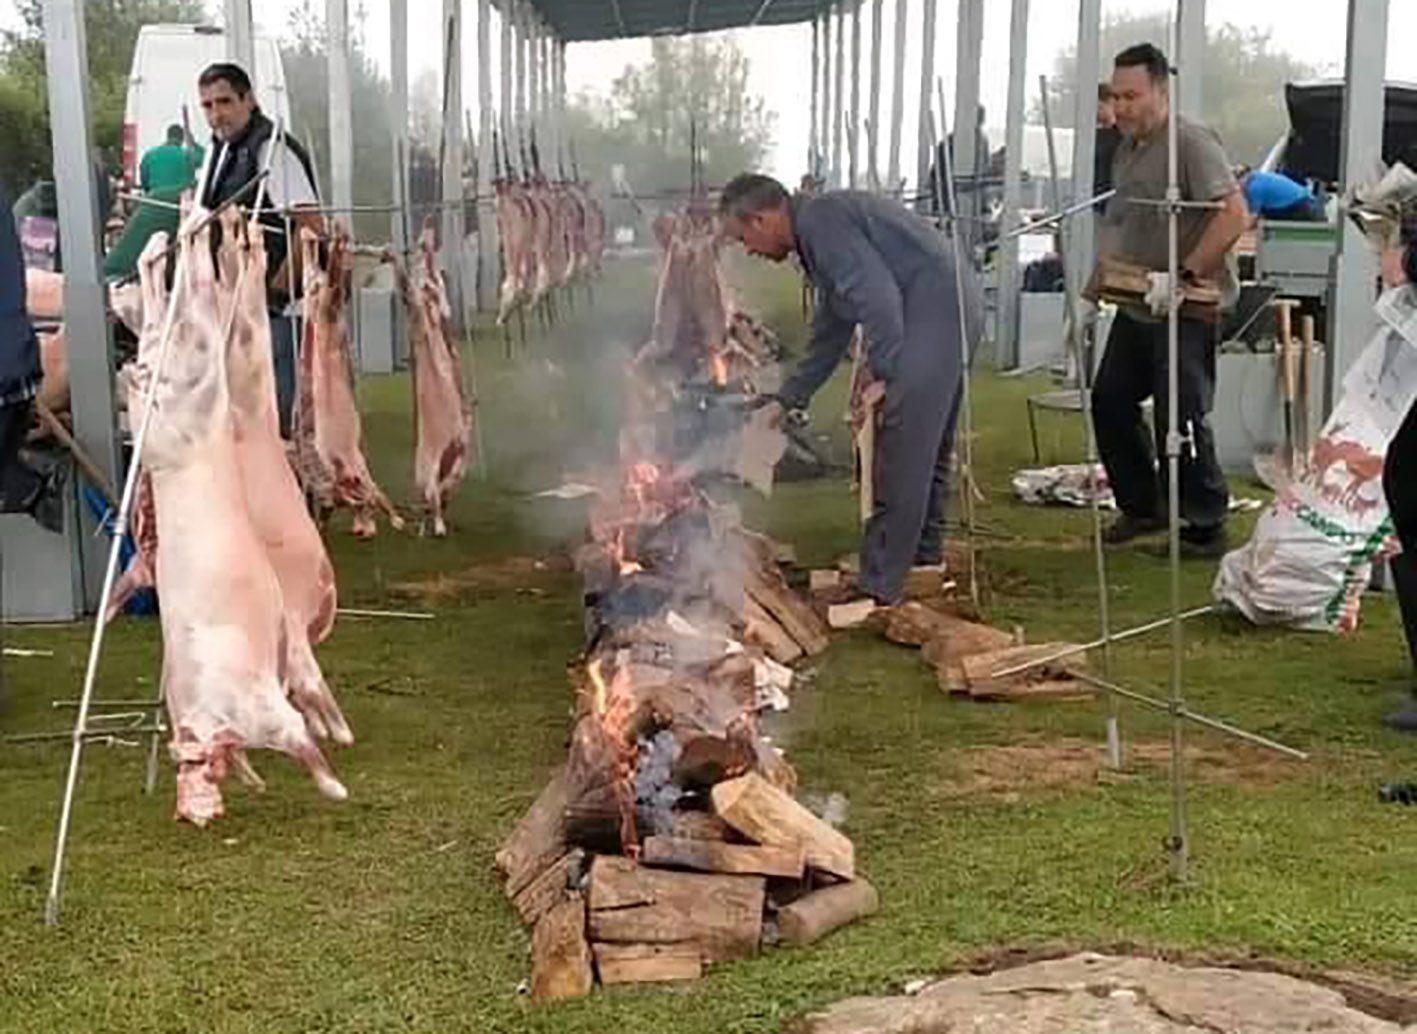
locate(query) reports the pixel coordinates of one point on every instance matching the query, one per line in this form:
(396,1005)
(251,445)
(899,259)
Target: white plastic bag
(1311,554)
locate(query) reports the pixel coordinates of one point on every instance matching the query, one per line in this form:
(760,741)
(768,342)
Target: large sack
(1311,554)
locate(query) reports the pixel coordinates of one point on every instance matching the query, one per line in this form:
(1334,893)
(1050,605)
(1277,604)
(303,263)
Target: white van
(166,63)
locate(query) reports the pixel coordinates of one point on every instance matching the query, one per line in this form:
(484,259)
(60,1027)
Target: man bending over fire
(875,264)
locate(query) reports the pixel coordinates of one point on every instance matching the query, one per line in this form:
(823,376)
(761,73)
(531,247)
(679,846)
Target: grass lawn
(382,914)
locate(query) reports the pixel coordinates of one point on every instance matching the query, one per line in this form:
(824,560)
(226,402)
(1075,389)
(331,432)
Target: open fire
(650,853)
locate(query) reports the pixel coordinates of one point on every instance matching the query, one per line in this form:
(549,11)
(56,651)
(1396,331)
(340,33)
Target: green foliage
(1242,81)
(112,33)
(695,87)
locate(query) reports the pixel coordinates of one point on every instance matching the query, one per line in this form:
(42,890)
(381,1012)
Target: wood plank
(550,888)
(538,839)
(955,639)
(812,917)
(763,629)
(646,963)
(721,916)
(793,613)
(560,955)
(850,615)
(766,815)
(732,859)
(978,669)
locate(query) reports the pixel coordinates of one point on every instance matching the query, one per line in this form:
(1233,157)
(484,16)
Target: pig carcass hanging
(330,452)
(443,418)
(224,625)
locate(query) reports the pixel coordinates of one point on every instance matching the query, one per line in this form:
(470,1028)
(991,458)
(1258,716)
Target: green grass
(382,914)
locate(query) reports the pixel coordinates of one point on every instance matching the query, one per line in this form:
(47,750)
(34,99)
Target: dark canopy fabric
(583,20)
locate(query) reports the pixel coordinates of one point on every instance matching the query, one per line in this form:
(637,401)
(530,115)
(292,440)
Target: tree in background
(696,87)
(1242,81)
(24,103)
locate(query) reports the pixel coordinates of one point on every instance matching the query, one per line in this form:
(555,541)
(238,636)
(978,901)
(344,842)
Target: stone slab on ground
(1100,994)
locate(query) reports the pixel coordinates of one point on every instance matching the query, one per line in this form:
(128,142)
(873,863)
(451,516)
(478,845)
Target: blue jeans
(283,355)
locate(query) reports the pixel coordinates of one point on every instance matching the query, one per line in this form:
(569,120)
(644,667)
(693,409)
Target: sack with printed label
(1311,555)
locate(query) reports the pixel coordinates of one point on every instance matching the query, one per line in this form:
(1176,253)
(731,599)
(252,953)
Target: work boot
(47,508)
(1127,528)
(1196,544)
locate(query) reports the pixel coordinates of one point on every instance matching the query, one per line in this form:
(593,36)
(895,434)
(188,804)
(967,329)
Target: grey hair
(750,193)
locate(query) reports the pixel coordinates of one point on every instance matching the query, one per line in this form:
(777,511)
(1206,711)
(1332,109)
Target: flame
(718,369)
(598,700)
(630,567)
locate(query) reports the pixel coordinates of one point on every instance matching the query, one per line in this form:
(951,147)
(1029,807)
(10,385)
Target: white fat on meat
(224,623)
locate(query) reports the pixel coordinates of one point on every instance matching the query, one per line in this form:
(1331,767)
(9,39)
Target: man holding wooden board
(1134,235)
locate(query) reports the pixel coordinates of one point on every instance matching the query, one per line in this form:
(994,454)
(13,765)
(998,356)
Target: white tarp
(1311,554)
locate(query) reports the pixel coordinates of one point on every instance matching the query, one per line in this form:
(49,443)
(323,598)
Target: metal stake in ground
(964,433)
(1082,358)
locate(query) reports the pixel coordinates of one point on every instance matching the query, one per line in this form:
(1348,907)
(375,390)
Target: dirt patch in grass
(1009,770)
(1381,996)
(505,574)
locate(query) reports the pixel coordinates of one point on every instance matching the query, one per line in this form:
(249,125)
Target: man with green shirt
(164,173)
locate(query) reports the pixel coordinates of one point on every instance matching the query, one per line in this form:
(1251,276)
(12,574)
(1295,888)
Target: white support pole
(1190,56)
(873,123)
(1008,353)
(341,110)
(398,121)
(839,97)
(505,96)
(562,129)
(452,171)
(812,141)
(902,12)
(854,115)
(1081,237)
(85,305)
(828,64)
(1355,266)
(927,84)
(967,161)
(240,34)
(486,223)
(533,78)
(520,42)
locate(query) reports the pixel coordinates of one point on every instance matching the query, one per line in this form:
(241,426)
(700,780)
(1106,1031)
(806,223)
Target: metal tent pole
(1079,258)
(824,152)
(969,43)
(839,97)
(1008,352)
(240,34)
(1190,53)
(486,223)
(902,12)
(341,111)
(964,428)
(812,141)
(1176,844)
(923,157)
(873,119)
(398,119)
(854,115)
(454,233)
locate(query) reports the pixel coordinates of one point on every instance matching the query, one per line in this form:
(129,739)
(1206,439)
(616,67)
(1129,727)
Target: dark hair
(224,71)
(750,193)
(175,134)
(1148,56)
(1104,92)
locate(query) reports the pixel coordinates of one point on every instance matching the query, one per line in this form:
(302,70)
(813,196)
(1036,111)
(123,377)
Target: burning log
(721,916)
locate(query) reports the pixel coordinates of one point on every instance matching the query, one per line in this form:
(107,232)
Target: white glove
(1159,295)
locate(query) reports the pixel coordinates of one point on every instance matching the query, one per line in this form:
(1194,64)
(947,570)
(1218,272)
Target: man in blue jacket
(877,265)
(22,489)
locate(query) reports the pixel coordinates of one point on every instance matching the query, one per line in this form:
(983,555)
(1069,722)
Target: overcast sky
(781,57)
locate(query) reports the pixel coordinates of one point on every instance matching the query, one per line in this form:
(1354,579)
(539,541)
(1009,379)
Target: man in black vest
(1400,486)
(245,142)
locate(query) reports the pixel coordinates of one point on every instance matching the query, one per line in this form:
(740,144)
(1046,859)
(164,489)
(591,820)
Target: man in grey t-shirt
(1134,366)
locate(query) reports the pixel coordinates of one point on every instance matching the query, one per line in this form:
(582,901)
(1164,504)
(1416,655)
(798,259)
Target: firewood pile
(671,838)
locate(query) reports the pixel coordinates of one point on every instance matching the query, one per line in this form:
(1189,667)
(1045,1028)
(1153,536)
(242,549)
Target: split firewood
(538,839)
(702,825)
(761,629)
(560,955)
(850,615)
(959,639)
(550,888)
(976,676)
(823,581)
(719,915)
(810,918)
(766,815)
(647,963)
(768,589)
(730,859)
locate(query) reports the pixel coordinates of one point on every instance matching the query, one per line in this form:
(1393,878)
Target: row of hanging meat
(222,521)
(552,234)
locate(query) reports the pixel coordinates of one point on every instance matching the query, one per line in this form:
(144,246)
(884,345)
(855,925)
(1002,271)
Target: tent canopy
(585,20)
